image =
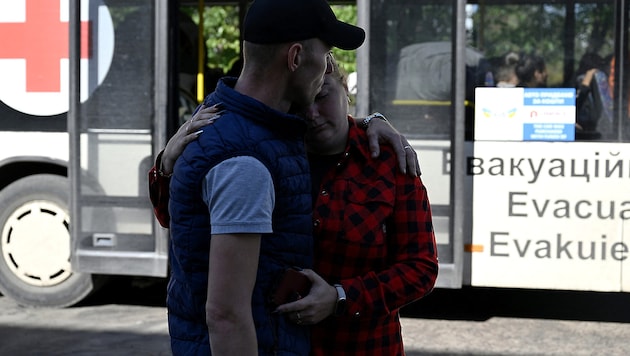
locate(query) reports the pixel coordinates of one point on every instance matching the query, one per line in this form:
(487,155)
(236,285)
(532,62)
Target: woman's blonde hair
(337,72)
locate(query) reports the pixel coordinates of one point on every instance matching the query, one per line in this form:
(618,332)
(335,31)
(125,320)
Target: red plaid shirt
(374,235)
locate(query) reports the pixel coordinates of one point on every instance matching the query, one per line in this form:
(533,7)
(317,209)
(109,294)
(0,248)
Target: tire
(35,244)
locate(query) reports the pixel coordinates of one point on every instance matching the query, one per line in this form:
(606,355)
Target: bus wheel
(35,244)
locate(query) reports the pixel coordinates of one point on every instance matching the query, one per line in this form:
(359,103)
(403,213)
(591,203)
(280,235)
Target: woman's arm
(160,173)
(377,127)
(158,193)
(379,130)
(188,132)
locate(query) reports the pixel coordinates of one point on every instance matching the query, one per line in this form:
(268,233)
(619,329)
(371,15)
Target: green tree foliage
(221,34)
(346,59)
(528,27)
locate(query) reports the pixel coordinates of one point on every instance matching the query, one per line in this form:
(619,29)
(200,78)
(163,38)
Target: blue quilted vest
(248,128)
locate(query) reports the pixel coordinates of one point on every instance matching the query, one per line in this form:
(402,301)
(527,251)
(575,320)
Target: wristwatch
(340,307)
(366,122)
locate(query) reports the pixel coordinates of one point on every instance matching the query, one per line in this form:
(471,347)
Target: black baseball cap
(281,21)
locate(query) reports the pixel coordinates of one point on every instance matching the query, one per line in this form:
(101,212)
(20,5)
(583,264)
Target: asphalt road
(130,319)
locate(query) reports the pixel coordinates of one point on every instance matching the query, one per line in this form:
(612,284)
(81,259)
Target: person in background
(593,102)
(374,242)
(531,71)
(505,73)
(240,204)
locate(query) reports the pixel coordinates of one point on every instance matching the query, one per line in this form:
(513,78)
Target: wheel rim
(36,243)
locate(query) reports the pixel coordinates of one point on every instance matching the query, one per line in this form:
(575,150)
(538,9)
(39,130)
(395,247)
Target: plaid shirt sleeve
(158,193)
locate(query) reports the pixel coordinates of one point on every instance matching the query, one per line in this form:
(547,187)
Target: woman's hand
(381,131)
(316,306)
(186,133)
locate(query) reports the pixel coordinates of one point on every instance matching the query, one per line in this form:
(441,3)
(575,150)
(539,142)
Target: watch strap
(340,306)
(365,123)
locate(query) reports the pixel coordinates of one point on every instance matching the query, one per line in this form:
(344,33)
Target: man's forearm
(233,337)
(233,262)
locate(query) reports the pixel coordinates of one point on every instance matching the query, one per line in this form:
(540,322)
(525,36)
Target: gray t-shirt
(240,196)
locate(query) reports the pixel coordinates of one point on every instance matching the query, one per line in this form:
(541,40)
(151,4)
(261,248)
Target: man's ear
(294,56)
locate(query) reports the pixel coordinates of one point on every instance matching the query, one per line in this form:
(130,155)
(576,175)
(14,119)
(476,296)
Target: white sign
(551,215)
(524,114)
(35,50)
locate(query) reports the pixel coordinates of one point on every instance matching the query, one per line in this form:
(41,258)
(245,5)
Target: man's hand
(381,131)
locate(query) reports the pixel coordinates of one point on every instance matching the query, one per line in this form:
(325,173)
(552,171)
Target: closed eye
(321,96)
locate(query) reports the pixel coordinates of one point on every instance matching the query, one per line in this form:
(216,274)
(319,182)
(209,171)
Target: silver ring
(407,147)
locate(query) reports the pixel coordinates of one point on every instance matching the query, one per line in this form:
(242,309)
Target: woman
(506,71)
(375,249)
(592,99)
(531,71)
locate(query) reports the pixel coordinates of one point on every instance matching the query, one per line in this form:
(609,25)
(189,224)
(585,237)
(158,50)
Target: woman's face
(327,120)
(541,78)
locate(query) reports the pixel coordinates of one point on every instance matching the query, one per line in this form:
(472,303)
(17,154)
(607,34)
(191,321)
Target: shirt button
(357,314)
(316,223)
(324,192)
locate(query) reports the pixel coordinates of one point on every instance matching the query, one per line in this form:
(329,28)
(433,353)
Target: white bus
(90,91)
(85,98)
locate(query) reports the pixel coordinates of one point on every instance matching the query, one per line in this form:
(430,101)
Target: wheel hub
(36,243)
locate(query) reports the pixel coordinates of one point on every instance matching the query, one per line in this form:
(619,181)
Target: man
(240,201)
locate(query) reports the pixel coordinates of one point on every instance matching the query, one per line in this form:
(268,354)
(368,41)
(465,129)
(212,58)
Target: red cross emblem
(34,46)
(43,41)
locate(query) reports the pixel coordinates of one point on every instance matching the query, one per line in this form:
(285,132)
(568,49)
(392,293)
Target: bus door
(414,54)
(112,133)
(551,199)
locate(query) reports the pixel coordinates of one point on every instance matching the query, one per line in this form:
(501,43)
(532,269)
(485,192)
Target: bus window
(569,38)
(409,74)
